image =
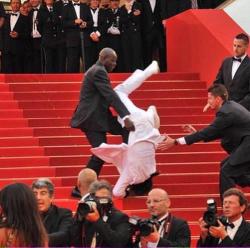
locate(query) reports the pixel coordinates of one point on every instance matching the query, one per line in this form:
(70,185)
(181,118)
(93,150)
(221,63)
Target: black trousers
(231,175)
(96,138)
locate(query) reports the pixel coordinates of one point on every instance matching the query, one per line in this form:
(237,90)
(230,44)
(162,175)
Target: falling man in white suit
(135,161)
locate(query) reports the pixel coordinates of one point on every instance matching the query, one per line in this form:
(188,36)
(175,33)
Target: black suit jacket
(178,234)
(96,96)
(153,20)
(113,233)
(232,126)
(58,223)
(238,87)
(72,31)
(49,25)
(15,45)
(241,238)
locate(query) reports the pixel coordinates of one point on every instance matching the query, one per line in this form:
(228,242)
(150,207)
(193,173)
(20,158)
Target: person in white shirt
(135,161)
(234,72)
(236,231)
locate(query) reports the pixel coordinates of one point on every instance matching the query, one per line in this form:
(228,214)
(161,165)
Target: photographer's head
(43,189)
(234,204)
(85,178)
(158,202)
(101,189)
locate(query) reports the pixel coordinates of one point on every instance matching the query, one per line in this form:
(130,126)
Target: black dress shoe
(76,193)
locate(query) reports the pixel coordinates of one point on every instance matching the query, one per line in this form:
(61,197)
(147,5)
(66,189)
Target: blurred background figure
(57,221)
(20,221)
(85,177)
(25,8)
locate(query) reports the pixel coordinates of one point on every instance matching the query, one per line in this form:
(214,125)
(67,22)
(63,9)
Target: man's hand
(13,34)
(93,216)
(78,21)
(129,124)
(206,108)
(204,229)
(166,144)
(83,24)
(189,128)
(218,231)
(153,237)
(137,12)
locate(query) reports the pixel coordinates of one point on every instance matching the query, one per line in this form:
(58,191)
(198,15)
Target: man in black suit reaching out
(234,72)
(232,126)
(92,114)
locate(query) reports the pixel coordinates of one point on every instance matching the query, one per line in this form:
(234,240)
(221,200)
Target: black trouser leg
(95,139)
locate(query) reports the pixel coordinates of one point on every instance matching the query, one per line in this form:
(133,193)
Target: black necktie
(230,224)
(237,59)
(13,14)
(94,10)
(76,4)
(35,9)
(50,9)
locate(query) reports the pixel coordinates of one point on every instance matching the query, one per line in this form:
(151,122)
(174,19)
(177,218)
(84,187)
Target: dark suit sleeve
(246,100)
(179,236)
(62,236)
(213,131)
(119,234)
(219,77)
(103,85)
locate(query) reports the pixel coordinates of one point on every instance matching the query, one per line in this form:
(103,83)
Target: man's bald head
(158,202)
(85,177)
(108,58)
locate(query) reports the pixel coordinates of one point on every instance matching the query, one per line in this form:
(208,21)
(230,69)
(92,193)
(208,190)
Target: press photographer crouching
(97,222)
(227,230)
(162,229)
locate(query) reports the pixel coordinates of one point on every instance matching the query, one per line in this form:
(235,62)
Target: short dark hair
(237,192)
(97,185)
(44,183)
(243,37)
(219,90)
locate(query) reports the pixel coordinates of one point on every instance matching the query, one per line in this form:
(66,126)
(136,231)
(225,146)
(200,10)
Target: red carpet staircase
(36,140)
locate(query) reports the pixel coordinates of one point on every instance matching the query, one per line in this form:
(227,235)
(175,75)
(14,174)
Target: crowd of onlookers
(29,218)
(52,37)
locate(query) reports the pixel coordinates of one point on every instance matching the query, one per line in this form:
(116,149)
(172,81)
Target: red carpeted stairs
(36,140)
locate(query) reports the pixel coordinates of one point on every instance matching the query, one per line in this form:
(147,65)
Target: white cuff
(125,117)
(181,141)
(98,33)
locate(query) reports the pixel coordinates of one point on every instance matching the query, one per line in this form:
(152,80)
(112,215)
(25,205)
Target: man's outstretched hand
(129,124)
(166,144)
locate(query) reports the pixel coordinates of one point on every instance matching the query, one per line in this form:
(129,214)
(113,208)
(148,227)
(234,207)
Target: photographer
(235,232)
(97,222)
(172,231)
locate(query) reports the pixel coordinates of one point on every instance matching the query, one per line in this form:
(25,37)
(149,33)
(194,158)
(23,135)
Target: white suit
(135,161)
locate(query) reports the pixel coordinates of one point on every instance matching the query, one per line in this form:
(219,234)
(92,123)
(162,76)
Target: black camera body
(210,216)
(144,226)
(103,205)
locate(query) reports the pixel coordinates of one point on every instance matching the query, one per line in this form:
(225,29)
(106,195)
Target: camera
(103,205)
(210,216)
(144,226)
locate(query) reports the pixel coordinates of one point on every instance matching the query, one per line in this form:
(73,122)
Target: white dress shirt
(232,231)
(13,20)
(77,9)
(152,4)
(236,65)
(35,33)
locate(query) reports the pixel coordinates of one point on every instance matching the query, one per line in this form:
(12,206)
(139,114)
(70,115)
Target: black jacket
(238,87)
(96,96)
(15,45)
(58,223)
(241,238)
(232,126)
(113,233)
(72,31)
